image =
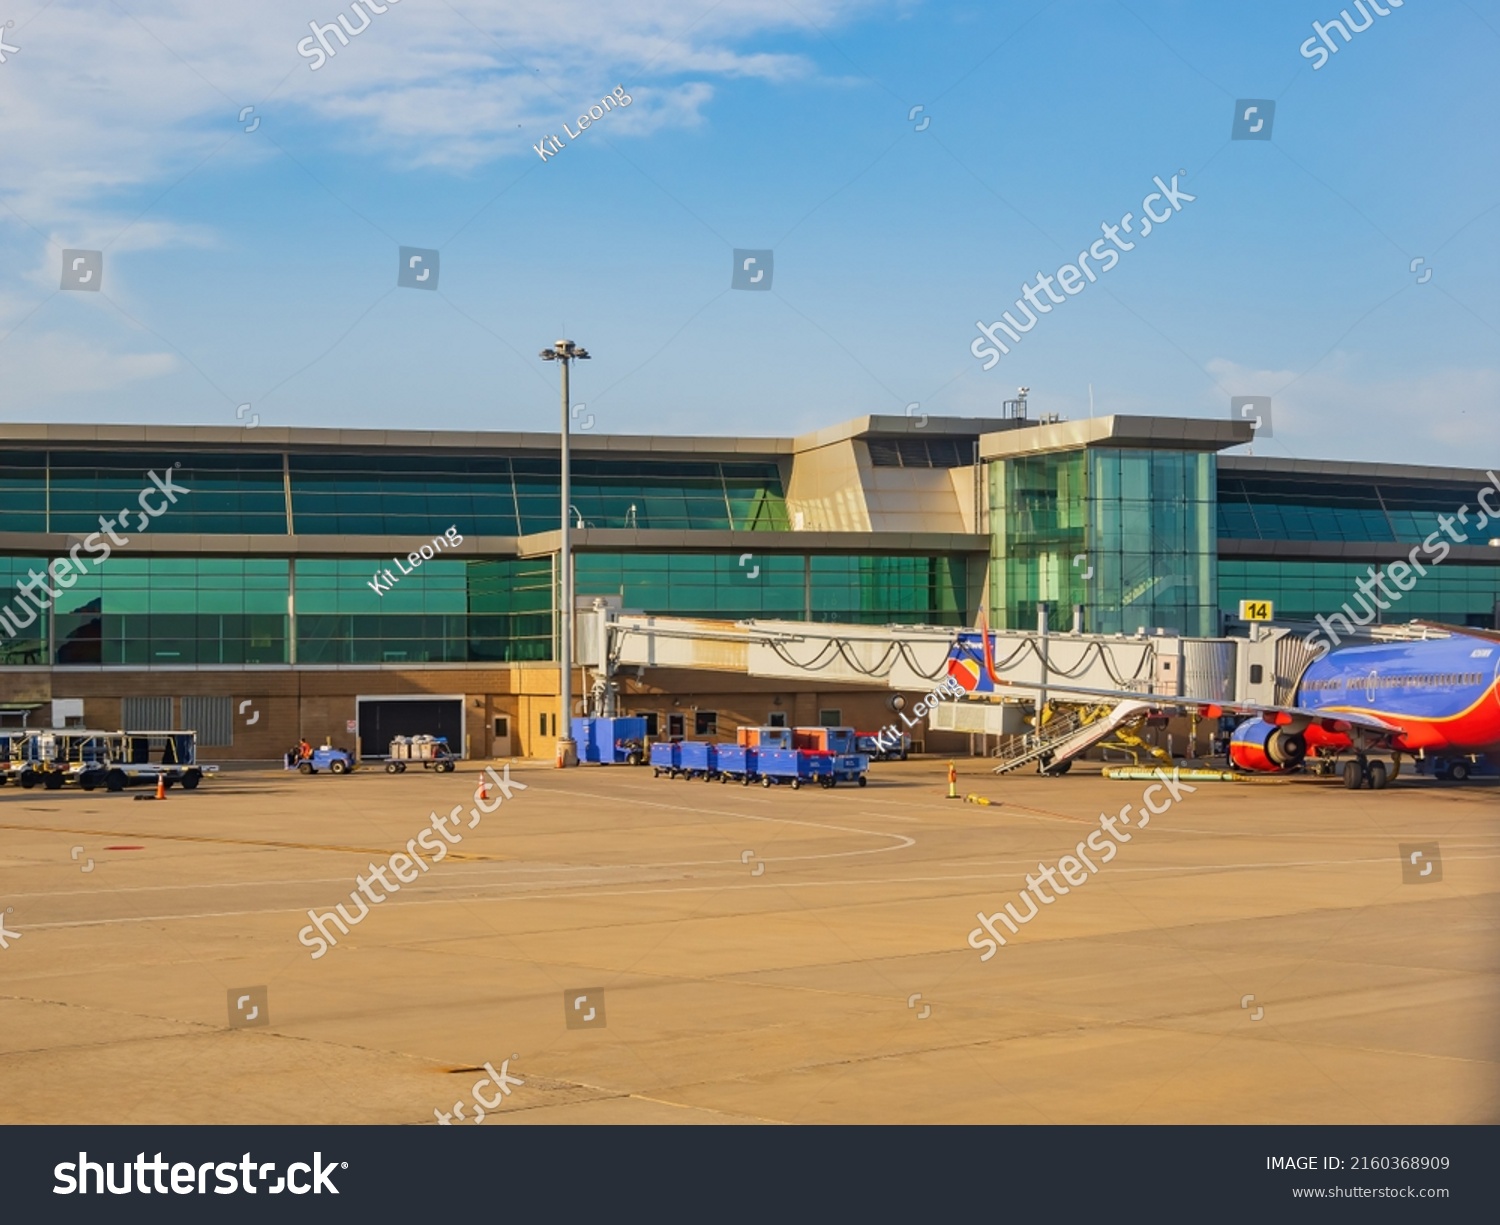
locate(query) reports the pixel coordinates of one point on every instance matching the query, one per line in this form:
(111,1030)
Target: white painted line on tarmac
(1196,869)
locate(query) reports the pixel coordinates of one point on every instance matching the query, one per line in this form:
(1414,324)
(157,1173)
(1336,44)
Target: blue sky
(260,266)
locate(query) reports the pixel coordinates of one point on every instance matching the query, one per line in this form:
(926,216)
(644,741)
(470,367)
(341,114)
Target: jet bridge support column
(1041,631)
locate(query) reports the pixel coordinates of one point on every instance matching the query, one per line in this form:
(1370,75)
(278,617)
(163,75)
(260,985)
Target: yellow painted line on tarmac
(285,846)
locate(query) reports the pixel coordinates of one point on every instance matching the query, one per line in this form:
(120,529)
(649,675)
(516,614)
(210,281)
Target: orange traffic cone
(953,782)
(484,788)
(161,786)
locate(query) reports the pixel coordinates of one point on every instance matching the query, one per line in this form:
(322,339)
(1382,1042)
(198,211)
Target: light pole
(565,352)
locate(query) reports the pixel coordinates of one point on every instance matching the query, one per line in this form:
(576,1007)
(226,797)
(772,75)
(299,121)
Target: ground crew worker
(304,750)
(953,782)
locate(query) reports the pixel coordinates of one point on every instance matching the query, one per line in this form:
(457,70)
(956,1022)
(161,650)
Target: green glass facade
(1038,524)
(363,495)
(865,590)
(1129,534)
(1301,590)
(372,495)
(155,611)
(173,610)
(1134,535)
(23,628)
(445,611)
(1266,507)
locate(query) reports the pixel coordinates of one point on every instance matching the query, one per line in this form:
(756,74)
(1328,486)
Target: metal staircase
(1064,737)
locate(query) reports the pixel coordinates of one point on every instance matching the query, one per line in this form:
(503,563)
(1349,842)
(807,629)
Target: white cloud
(106,107)
(102,99)
(49,364)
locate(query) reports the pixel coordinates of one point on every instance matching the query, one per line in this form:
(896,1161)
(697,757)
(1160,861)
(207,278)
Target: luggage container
(666,759)
(737,761)
(848,768)
(794,766)
(826,739)
(620,741)
(700,759)
(764,737)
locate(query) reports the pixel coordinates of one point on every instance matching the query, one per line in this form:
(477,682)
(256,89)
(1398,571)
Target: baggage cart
(429,752)
(666,759)
(792,766)
(617,742)
(737,762)
(700,759)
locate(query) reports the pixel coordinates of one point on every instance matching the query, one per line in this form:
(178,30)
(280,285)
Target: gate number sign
(1256,610)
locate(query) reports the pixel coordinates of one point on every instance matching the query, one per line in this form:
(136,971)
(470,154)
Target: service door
(381,719)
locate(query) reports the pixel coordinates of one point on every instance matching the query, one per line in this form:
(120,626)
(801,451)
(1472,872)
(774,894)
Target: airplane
(1437,697)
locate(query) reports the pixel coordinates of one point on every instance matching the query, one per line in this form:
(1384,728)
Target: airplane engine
(1261,746)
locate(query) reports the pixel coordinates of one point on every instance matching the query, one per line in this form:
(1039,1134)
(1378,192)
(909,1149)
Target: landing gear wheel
(1354,776)
(1378,776)
(1459,771)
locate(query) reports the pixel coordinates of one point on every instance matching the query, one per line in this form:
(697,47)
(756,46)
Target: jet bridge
(915,657)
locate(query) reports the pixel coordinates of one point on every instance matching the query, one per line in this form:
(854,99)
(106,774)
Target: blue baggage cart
(737,761)
(666,759)
(616,741)
(794,766)
(848,768)
(699,759)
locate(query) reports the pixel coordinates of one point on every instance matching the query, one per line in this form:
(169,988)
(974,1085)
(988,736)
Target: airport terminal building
(270,584)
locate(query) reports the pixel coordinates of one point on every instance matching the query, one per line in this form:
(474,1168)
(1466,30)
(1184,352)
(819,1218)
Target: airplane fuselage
(1444,693)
